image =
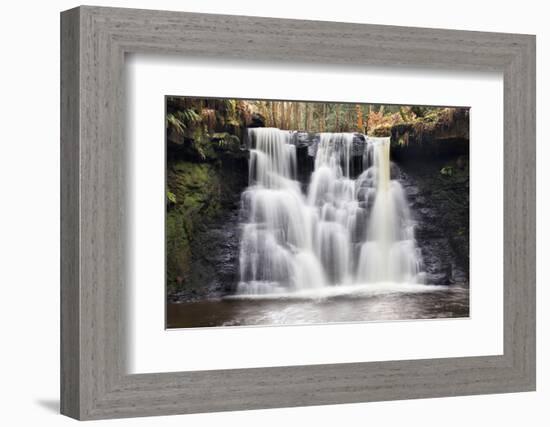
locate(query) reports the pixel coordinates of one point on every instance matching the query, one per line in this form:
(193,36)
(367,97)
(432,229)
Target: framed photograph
(262,213)
(326,222)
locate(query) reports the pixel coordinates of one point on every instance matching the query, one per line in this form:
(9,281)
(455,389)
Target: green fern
(171,197)
(173,122)
(225,138)
(200,151)
(188,116)
(447,171)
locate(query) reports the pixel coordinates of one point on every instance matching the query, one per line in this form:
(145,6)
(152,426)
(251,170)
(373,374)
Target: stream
(370,305)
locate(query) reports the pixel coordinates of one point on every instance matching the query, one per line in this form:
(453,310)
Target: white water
(343,232)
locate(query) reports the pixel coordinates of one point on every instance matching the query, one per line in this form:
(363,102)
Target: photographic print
(291,212)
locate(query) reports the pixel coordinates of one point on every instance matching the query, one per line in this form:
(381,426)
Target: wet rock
(440,279)
(257,121)
(203,227)
(312,140)
(444,251)
(302,139)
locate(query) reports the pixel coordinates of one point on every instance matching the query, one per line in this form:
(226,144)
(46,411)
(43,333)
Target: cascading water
(342,231)
(389,252)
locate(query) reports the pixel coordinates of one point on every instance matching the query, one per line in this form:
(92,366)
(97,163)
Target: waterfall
(341,231)
(389,252)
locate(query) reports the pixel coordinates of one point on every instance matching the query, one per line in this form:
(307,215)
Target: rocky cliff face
(440,204)
(202,225)
(446,136)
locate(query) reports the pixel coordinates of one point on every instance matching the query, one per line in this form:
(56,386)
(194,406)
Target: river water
(374,303)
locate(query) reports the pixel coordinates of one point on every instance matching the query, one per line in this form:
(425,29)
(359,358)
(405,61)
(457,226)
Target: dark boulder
(257,121)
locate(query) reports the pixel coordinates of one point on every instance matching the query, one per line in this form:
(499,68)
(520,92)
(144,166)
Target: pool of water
(339,304)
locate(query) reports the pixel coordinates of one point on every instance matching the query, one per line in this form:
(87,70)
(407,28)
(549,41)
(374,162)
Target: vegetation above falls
(202,127)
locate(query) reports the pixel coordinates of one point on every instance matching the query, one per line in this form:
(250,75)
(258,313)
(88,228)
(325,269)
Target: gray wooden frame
(94,41)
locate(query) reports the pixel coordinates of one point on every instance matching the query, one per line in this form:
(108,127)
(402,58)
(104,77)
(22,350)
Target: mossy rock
(193,193)
(382,131)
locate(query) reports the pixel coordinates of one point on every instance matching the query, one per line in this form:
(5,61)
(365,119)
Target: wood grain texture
(70,220)
(94,234)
